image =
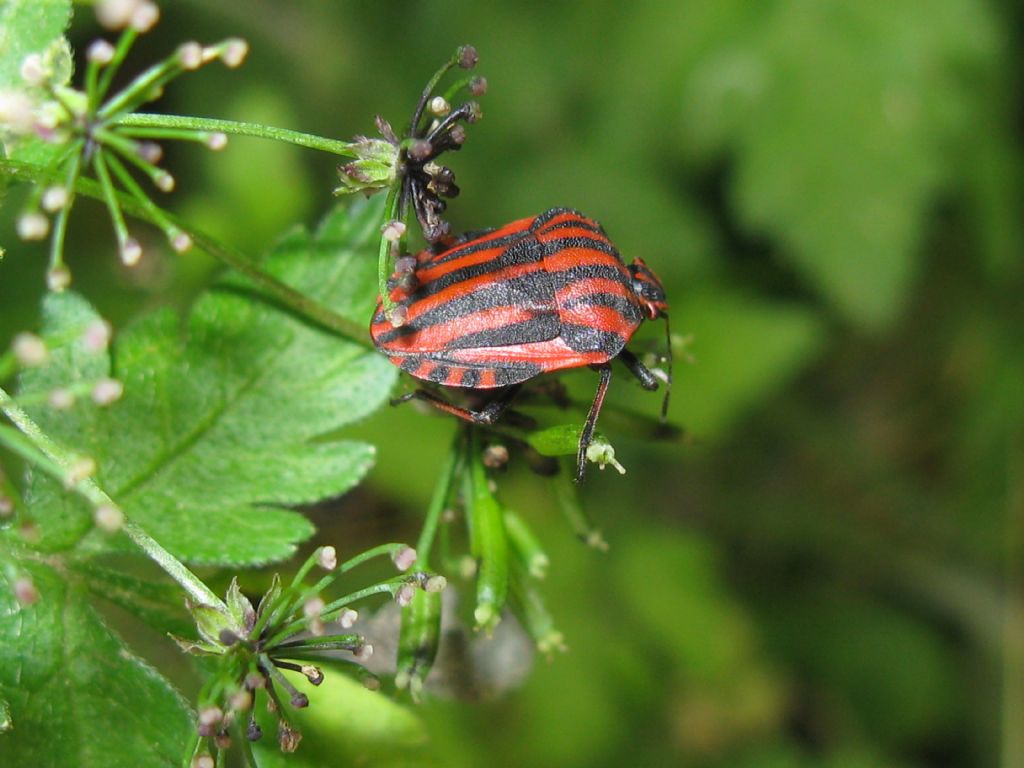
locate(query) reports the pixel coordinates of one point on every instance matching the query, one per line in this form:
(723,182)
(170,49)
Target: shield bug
(493,309)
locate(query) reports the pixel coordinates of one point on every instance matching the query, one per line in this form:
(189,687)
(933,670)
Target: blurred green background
(827,571)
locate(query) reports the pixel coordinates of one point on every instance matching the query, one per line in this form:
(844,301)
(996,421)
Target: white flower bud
(440,106)
(347,618)
(144,17)
(190,54)
(33,71)
(96,337)
(313,607)
(393,231)
(107,391)
(16,112)
(235,51)
(405,594)
(217,140)
(58,278)
(404,558)
(164,181)
(435,583)
(100,51)
(33,225)
(327,558)
(116,14)
(29,350)
(61,398)
(150,151)
(80,469)
(131,252)
(108,518)
(181,241)
(55,198)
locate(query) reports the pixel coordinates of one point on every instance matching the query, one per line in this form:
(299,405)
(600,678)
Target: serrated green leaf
(28,26)
(217,432)
(77,695)
(156,603)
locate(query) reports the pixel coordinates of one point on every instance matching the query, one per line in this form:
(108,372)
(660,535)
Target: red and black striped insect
(494,309)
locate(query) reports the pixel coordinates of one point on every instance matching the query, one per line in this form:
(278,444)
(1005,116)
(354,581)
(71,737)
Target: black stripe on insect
(543,302)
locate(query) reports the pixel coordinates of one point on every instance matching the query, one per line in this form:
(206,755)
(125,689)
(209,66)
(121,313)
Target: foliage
(823,571)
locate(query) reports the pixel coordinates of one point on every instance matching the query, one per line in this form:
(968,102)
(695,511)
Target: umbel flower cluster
(291,627)
(86,130)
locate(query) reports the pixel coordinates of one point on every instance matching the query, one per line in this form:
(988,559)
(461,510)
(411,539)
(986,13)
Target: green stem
(487,537)
(124,44)
(109,193)
(384,253)
(176,122)
(60,224)
(442,493)
(288,296)
(88,487)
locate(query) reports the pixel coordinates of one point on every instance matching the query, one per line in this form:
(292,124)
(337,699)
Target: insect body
(497,308)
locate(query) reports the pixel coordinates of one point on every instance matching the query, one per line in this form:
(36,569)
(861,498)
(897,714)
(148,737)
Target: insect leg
(647,379)
(486,415)
(588,428)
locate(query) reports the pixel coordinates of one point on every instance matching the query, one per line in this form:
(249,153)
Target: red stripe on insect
(440,335)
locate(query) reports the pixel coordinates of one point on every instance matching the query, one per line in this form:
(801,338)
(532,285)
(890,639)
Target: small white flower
(191,55)
(96,336)
(404,558)
(58,278)
(164,181)
(29,350)
(116,14)
(144,17)
(80,469)
(100,51)
(107,391)
(327,558)
(440,106)
(181,241)
(348,618)
(217,140)
(61,398)
(150,151)
(16,112)
(405,594)
(235,51)
(131,252)
(313,607)
(393,231)
(54,198)
(33,71)
(108,518)
(32,225)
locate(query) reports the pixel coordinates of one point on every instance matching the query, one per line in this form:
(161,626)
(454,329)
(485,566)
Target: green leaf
(28,26)
(218,430)
(77,695)
(33,26)
(345,724)
(840,118)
